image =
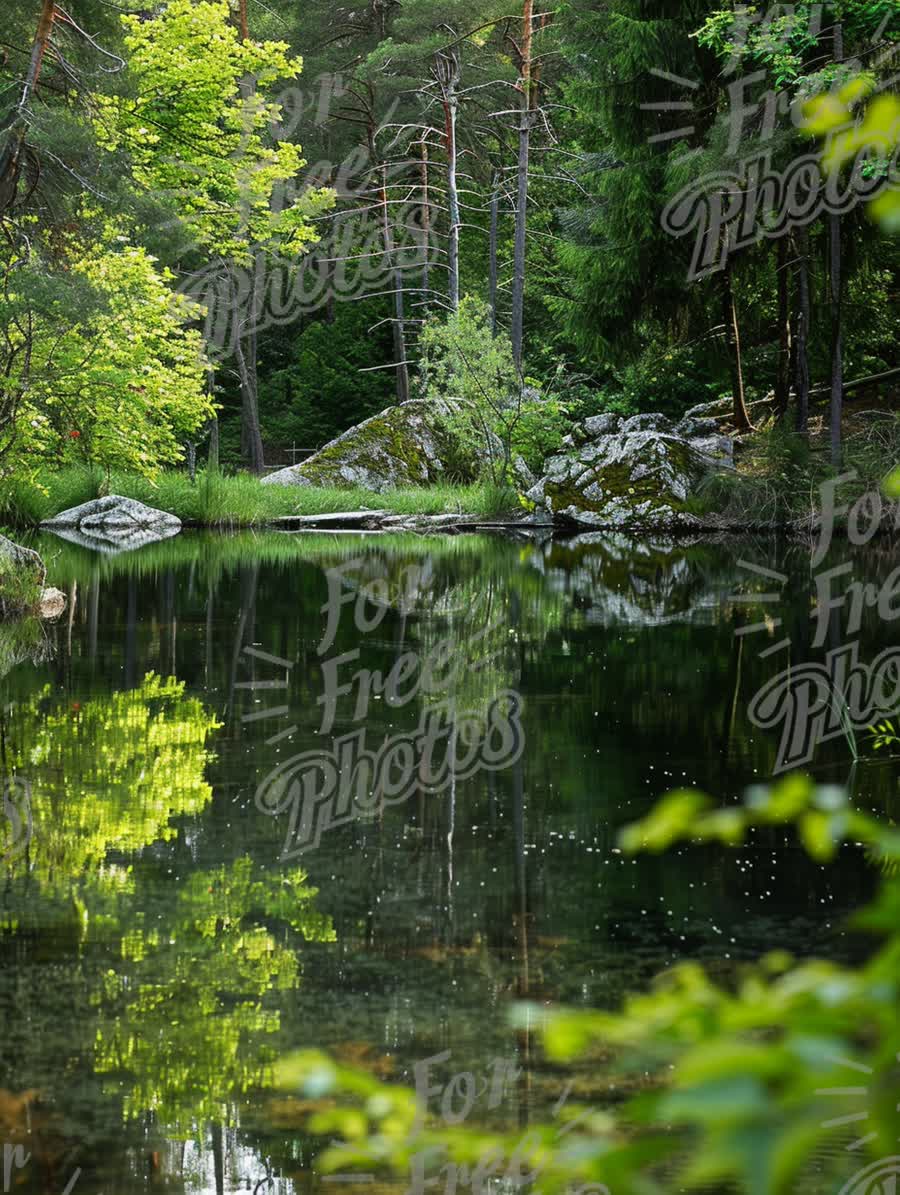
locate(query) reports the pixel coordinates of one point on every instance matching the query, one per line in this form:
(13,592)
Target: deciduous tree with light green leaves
(102,365)
(197,127)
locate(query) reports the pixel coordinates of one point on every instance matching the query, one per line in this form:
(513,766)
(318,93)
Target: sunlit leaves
(184,1015)
(748,1073)
(108,774)
(822,813)
(107,369)
(867,139)
(196,129)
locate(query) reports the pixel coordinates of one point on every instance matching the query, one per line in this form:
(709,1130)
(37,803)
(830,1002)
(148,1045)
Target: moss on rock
(22,576)
(405,445)
(638,476)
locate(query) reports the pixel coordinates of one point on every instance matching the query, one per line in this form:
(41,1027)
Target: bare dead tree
(836,288)
(783,366)
(16,155)
(492,249)
(733,339)
(526,119)
(447,73)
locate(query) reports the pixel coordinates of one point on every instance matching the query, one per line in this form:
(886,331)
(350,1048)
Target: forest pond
(167,936)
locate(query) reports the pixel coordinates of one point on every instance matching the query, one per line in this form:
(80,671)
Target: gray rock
(113,542)
(52,604)
(650,422)
(602,425)
(113,512)
(536,493)
(22,576)
(113,524)
(405,445)
(718,450)
(623,579)
(718,409)
(639,476)
(525,479)
(343,520)
(24,560)
(558,466)
(691,427)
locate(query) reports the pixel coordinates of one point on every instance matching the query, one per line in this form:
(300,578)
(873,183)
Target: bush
(465,363)
(663,378)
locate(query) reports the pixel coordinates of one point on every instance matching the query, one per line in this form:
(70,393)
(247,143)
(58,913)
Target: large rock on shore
(632,473)
(22,576)
(22,592)
(113,524)
(404,445)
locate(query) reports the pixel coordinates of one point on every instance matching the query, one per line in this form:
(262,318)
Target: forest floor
(780,477)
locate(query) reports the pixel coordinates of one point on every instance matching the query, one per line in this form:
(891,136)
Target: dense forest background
(191,216)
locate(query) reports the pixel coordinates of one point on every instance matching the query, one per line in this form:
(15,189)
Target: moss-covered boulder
(636,473)
(22,575)
(404,445)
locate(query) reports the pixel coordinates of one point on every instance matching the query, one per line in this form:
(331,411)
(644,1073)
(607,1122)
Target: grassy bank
(214,500)
(780,475)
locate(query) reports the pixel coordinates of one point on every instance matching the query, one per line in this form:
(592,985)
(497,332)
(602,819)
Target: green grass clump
(780,473)
(214,500)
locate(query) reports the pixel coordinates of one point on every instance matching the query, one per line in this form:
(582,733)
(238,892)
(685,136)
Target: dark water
(159,954)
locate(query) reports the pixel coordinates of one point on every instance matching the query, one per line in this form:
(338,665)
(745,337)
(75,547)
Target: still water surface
(158,952)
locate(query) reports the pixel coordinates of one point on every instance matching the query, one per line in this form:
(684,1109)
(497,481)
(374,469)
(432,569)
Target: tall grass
(780,473)
(214,500)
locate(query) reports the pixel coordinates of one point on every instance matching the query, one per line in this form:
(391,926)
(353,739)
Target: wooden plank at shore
(342,518)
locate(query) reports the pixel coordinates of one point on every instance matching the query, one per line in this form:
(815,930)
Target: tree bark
(518,286)
(245,346)
(212,454)
(801,359)
(251,437)
(836,281)
(447,72)
(396,277)
(729,310)
(11,154)
(783,368)
(426,229)
(492,250)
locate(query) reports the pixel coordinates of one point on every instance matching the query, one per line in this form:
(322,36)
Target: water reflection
(158,956)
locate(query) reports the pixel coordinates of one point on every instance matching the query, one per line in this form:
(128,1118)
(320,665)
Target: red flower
(74,435)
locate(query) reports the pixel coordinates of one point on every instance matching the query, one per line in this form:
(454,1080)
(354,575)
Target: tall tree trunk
(525,117)
(836,284)
(329,292)
(783,368)
(245,348)
(11,154)
(212,456)
(396,276)
(426,228)
(492,250)
(251,436)
(732,331)
(212,453)
(801,358)
(837,365)
(447,72)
